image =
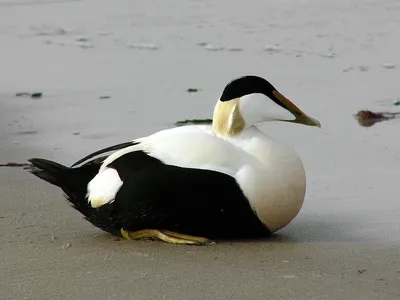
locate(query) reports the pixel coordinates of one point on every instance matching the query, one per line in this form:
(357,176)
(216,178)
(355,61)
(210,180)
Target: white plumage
(269,173)
(103,187)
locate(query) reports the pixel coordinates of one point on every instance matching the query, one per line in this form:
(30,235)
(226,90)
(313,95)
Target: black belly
(190,201)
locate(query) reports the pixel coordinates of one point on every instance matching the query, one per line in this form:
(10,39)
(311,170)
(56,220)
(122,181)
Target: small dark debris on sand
(105,97)
(192,90)
(273,48)
(33,95)
(14,164)
(22,94)
(368,118)
(36,95)
(193,122)
(363,68)
(361,271)
(27,132)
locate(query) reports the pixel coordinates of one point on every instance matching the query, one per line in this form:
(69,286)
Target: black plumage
(247,85)
(158,196)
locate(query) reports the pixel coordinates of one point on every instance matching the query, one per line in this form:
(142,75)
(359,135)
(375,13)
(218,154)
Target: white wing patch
(190,147)
(103,188)
(197,148)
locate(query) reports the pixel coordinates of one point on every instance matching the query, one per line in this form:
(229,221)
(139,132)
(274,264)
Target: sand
(111,71)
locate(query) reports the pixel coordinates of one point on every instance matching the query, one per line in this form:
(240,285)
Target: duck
(194,184)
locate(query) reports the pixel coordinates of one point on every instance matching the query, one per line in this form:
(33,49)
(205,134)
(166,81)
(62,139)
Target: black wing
(104,150)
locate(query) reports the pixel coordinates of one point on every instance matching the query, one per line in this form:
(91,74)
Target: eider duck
(197,183)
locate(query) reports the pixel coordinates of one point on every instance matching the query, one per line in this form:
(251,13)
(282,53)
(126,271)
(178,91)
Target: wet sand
(331,58)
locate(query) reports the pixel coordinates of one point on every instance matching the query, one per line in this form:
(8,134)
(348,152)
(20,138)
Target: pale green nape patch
(227,119)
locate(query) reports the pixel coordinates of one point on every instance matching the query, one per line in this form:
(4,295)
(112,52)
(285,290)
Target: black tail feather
(102,151)
(49,171)
(74,181)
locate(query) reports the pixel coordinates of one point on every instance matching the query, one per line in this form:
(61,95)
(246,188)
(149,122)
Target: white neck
(253,141)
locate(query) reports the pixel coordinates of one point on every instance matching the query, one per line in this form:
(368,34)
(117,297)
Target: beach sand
(111,71)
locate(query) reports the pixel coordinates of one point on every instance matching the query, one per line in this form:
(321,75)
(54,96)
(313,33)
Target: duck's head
(250,100)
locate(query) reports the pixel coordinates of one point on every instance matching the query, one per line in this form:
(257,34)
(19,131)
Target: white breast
(277,191)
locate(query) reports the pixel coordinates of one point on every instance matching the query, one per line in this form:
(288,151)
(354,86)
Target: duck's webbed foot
(165,236)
